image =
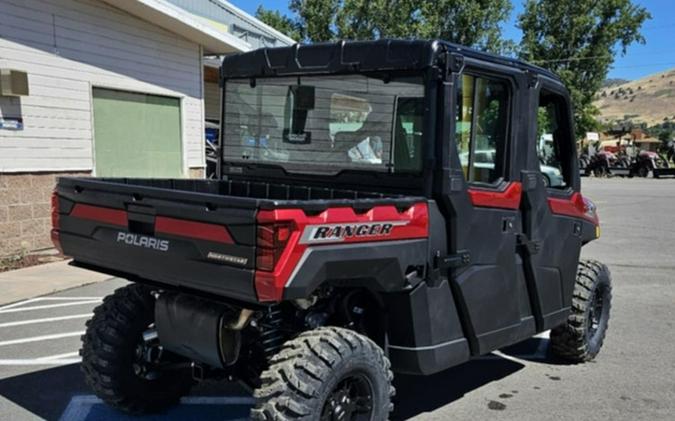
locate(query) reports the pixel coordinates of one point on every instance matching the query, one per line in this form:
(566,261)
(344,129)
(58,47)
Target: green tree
(280,22)
(468,22)
(578,40)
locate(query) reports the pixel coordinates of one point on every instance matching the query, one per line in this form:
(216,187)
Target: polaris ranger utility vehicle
(352,232)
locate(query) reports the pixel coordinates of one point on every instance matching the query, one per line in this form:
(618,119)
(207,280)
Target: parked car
(485,159)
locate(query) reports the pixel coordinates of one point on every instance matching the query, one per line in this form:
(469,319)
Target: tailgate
(180,238)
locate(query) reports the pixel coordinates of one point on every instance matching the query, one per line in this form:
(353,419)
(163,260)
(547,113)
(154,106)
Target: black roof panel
(354,56)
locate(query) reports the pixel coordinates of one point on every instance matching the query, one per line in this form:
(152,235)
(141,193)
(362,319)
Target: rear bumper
(144,264)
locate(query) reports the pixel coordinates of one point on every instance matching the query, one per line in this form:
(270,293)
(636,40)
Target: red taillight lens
(55,223)
(271,242)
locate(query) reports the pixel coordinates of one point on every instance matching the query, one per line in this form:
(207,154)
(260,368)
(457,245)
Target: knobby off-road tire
(110,355)
(580,339)
(322,371)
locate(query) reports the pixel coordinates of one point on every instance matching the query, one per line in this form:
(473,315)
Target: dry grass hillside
(650,99)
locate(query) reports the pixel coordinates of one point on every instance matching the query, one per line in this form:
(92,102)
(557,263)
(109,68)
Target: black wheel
(326,374)
(580,339)
(125,368)
(643,171)
(547,181)
(600,171)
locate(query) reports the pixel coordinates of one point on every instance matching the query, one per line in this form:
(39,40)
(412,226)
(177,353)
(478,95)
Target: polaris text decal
(142,241)
(335,233)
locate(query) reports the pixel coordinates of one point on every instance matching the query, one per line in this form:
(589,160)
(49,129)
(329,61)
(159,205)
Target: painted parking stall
(44,330)
(41,336)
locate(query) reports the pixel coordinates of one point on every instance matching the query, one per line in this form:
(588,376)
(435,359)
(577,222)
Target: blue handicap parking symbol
(90,408)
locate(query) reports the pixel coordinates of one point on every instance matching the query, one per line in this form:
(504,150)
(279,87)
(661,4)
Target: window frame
(501,162)
(563,116)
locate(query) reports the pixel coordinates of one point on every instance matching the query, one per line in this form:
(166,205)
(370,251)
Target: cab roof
(356,56)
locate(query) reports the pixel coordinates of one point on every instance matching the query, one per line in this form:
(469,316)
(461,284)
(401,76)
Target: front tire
(327,374)
(581,337)
(114,355)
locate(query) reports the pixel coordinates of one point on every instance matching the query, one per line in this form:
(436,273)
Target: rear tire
(325,374)
(600,171)
(581,337)
(111,362)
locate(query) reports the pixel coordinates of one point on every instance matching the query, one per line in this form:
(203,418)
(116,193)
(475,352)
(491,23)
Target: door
(484,204)
(136,135)
(552,182)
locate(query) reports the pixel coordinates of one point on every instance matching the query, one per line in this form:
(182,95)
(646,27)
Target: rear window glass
(325,124)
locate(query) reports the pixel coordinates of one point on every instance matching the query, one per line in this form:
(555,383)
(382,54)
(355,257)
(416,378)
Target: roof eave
(180,22)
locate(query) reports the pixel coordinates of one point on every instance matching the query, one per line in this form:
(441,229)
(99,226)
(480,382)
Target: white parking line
(37,361)
(45,320)
(59,356)
(19,303)
(58,359)
(67,298)
(46,306)
(41,338)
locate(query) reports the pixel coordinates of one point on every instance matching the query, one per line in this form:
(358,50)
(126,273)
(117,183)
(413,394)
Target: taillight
(55,222)
(271,242)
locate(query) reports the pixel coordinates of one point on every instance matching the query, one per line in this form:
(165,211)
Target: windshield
(325,124)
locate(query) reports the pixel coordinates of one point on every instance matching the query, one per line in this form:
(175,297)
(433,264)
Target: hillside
(650,99)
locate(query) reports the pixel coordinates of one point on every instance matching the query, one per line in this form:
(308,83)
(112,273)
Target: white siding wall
(68,46)
(212,101)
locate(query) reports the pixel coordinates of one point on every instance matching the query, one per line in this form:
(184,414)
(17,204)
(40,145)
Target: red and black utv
(606,163)
(380,207)
(651,162)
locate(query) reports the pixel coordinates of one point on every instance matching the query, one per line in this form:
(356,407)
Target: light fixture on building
(13,83)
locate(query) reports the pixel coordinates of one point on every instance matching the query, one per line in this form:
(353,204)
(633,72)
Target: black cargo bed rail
(213,194)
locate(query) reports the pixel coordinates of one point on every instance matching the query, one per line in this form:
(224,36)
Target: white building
(115,88)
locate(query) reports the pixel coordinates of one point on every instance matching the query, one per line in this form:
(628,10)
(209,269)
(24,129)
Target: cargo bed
(193,234)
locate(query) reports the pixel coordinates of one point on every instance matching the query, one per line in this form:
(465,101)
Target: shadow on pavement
(418,394)
(45,393)
(48,393)
(59,392)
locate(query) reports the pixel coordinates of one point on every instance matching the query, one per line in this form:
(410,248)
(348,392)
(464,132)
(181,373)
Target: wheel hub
(148,355)
(350,400)
(595,312)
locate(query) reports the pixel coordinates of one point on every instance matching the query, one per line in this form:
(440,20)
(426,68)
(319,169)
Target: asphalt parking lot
(632,379)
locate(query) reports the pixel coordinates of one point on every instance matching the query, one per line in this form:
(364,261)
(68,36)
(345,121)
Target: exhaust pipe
(199,329)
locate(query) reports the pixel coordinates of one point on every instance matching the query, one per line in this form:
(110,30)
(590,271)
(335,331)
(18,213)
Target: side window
(553,140)
(481,124)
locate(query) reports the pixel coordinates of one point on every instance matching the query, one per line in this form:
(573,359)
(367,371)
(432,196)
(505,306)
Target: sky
(657,55)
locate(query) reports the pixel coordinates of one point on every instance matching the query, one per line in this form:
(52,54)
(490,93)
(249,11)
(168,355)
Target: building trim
(181,22)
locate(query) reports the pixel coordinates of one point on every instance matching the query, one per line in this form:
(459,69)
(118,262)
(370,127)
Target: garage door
(136,135)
